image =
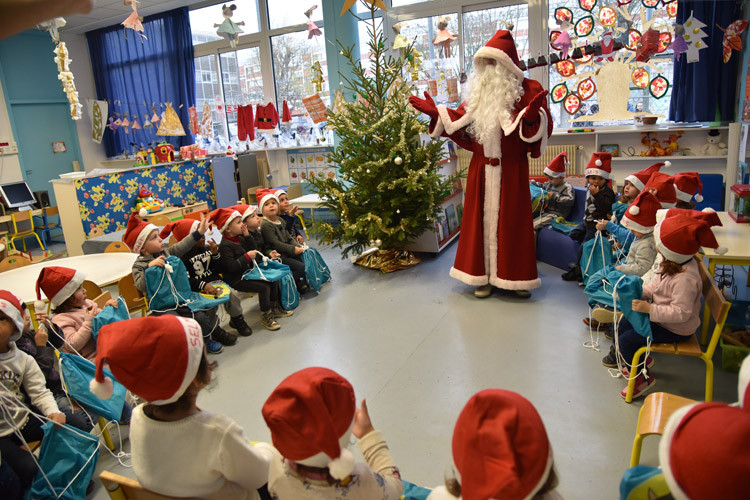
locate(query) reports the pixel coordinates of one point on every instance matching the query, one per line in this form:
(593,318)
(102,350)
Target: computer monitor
(17,194)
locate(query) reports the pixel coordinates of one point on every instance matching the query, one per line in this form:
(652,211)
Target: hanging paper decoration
(640,78)
(607,16)
(672,9)
(112,125)
(444,38)
(650,4)
(694,36)
(658,87)
(312,28)
(348,5)
(586,89)
(559,92)
(634,38)
(415,62)
(193,117)
(229,29)
(562,40)
(584,26)
(133,21)
(317,76)
(606,47)
(572,104)
(170,123)
(315,107)
(679,46)
(97,111)
(648,45)
(584,59)
(135,125)
(125,124)
(399,41)
(207,121)
(587,4)
(566,68)
(53,26)
(146,122)
(66,79)
(732,38)
(563,14)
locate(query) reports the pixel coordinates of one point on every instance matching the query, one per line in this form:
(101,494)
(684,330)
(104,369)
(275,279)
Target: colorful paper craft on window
(607,16)
(587,4)
(586,89)
(650,4)
(315,108)
(732,38)
(170,123)
(563,14)
(559,92)
(665,40)
(658,87)
(572,103)
(566,68)
(584,26)
(640,78)
(207,121)
(672,9)
(634,37)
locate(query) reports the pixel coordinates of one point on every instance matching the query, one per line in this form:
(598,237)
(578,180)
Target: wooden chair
(719,307)
(134,299)
(13,262)
(92,289)
(172,240)
(47,225)
(159,220)
(124,488)
(96,232)
(196,215)
(117,246)
(23,216)
(102,299)
(656,410)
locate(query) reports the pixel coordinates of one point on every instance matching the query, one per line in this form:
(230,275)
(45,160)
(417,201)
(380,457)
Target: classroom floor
(417,344)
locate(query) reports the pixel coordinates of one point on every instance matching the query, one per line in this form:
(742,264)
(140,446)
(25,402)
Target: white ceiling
(109,12)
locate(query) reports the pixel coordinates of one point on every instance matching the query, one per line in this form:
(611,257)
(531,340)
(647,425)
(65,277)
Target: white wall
(10,168)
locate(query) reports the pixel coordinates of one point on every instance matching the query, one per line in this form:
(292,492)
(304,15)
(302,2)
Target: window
(364,38)
(202,20)
(241,81)
(207,88)
(292,12)
(399,3)
(480,25)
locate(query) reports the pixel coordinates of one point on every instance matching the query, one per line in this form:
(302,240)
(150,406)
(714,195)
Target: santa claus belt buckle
(492,161)
(264,119)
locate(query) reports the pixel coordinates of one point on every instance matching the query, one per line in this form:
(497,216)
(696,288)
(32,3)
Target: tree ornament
(378,243)
(312,28)
(317,78)
(398,211)
(732,38)
(398,160)
(134,21)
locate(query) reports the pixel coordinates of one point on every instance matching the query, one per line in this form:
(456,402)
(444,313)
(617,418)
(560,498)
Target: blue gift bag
(168,290)
(270,270)
(414,492)
(539,199)
(68,459)
(110,315)
(316,270)
(602,286)
(77,372)
(596,254)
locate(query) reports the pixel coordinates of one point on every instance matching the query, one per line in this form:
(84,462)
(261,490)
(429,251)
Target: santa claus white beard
(493,92)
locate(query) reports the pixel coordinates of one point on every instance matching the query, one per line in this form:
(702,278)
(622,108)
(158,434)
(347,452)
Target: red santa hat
(641,214)
(223,216)
(245,210)
(263,195)
(180,228)
(286,116)
(501,48)
(705,452)
(58,283)
(556,167)
(310,415)
(688,184)
(639,179)
(600,164)
(137,232)
(500,447)
(156,357)
(707,215)
(679,237)
(11,307)
(664,186)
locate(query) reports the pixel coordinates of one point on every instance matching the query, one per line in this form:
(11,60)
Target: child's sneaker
(223,337)
(649,364)
(573,274)
(610,360)
(239,324)
(280,312)
(641,386)
(604,316)
(268,322)
(213,347)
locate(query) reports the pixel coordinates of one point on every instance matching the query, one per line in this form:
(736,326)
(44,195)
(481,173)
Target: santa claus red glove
(532,112)
(426,105)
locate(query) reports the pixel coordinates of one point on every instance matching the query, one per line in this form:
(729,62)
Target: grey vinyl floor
(417,344)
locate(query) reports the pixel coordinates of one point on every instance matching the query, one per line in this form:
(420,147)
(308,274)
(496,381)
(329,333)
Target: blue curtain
(707,90)
(135,74)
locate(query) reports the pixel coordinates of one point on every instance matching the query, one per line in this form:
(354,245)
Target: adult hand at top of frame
(426,105)
(20,15)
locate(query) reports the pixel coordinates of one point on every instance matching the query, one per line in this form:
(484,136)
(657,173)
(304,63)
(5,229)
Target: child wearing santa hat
(661,185)
(632,187)
(288,215)
(238,255)
(672,300)
(686,185)
(20,376)
(178,449)
(276,236)
(561,194)
(202,265)
(311,415)
(501,451)
(143,238)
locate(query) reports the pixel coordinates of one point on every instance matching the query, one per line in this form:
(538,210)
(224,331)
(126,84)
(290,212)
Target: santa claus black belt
(491,161)
(264,120)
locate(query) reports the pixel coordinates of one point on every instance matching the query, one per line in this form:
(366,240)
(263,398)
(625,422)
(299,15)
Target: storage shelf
(447,198)
(450,237)
(661,158)
(632,128)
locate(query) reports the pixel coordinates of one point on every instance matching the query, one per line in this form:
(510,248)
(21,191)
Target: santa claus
(503,118)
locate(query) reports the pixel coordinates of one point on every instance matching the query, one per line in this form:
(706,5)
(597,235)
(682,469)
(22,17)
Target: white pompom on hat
(641,214)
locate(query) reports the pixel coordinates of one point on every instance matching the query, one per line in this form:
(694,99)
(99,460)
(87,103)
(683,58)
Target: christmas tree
(388,190)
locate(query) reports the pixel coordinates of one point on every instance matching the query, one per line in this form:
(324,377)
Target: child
(673,299)
(203,268)
(276,237)
(20,374)
(73,312)
(686,185)
(287,214)
(239,255)
(561,194)
(662,186)
(178,449)
(143,238)
(501,450)
(311,415)
(599,201)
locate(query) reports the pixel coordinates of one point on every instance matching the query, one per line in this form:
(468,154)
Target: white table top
(306,201)
(101,268)
(734,236)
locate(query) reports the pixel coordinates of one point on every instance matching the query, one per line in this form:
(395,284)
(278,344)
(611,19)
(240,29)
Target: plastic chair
(23,216)
(196,215)
(48,226)
(13,262)
(124,488)
(719,307)
(92,289)
(134,299)
(96,232)
(656,410)
(117,246)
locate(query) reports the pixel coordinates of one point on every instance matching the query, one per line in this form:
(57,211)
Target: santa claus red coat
(496,244)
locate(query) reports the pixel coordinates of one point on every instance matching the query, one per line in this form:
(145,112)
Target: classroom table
(99,243)
(311,201)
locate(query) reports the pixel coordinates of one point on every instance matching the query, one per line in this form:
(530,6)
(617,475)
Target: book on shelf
(450,216)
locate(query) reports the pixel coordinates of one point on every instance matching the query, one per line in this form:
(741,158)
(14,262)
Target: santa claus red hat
(600,164)
(286,116)
(11,307)
(556,167)
(641,214)
(664,186)
(180,228)
(58,283)
(310,415)
(704,452)
(678,237)
(500,447)
(688,184)
(156,357)
(223,216)
(501,48)
(639,179)
(263,195)
(137,233)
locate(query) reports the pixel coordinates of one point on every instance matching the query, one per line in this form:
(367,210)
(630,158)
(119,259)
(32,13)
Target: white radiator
(537,165)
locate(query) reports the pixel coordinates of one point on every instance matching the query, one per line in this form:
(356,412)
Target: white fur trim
(468,278)
(439,126)
(233,216)
(634,210)
(636,182)
(552,173)
(102,390)
(597,171)
(441,493)
(542,128)
(515,285)
(69,289)
(664,446)
(341,467)
(682,195)
(743,380)
(194,340)
(491,217)
(634,226)
(667,253)
(141,239)
(668,205)
(661,214)
(699,197)
(721,250)
(453,126)
(321,459)
(708,210)
(501,57)
(267,197)
(249,211)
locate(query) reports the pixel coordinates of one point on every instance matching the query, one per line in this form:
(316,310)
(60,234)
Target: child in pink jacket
(673,298)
